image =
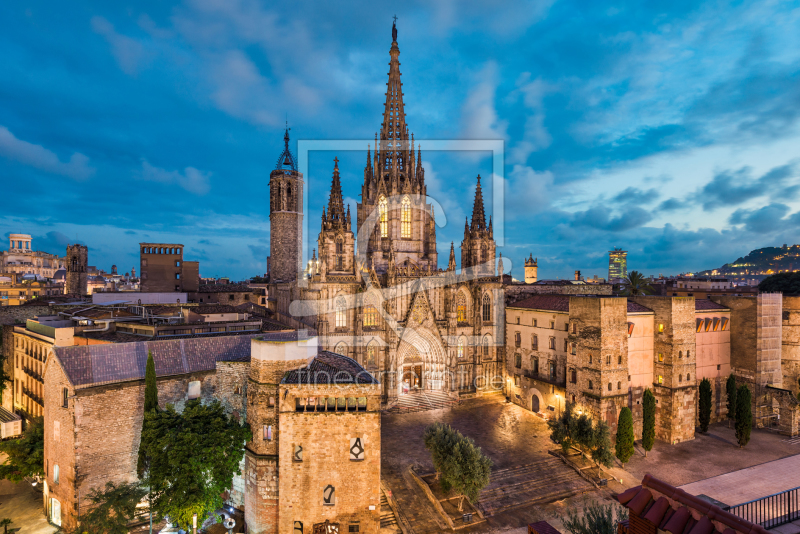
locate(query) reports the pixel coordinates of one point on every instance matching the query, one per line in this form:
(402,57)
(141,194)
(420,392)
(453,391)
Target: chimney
(577,275)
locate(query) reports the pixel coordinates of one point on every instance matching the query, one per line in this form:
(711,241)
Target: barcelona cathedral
(378,295)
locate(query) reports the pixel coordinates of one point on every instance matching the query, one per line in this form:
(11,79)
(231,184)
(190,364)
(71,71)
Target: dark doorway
(535,403)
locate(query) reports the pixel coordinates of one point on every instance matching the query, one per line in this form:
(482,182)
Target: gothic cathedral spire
(336,215)
(478,215)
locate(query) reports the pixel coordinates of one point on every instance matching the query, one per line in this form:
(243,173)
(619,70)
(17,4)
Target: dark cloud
(734,187)
(54,242)
(601,218)
(635,195)
(130,232)
(762,220)
(671,204)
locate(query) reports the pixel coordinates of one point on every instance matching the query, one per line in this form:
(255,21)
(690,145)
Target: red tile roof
(635,307)
(675,511)
(544,302)
(706,304)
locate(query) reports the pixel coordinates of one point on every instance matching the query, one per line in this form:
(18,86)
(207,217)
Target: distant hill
(762,262)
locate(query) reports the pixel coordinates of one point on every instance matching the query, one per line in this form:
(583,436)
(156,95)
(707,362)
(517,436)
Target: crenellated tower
(285,216)
(478,246)
(394,211)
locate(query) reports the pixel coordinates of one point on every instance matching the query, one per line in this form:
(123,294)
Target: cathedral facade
(377,294)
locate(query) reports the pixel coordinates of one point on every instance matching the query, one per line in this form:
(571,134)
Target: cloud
(259,252)
(130,232)
(191,179)
(671,204)
(634,195)
(43,159)
(241,90)
(129,53)
(762,220)
(527,191)
(733,187)
(535,136)
(600,218)
(479,118)
(53,242)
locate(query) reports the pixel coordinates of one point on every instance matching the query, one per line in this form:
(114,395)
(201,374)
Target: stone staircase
(388,520)
(419,401)
(547,480)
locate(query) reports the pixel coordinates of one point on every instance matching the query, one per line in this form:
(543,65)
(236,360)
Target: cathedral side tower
(336,241)
(285,217)
(478,246)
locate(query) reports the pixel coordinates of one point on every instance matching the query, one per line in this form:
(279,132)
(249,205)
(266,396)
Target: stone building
(163,269)
(315,452)
(378,295)
(20,258)
(77,262)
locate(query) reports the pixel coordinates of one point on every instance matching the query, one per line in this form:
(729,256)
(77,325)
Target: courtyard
(517,442)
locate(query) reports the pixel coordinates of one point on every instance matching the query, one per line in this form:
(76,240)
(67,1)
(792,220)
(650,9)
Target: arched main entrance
(421,362)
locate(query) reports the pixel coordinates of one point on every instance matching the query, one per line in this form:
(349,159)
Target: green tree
(150,404)
(624,445)
(440,439)
(24,455)
(467,470)
(112,509)
(786,283)
(730,391)
(744,416)
(601,446)
(583,434)
(648,421)
(562,427)
(193,457)
(636,284)
(5,523)
(596,518)
(704,414)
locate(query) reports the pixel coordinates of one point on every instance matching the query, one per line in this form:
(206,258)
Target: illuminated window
(370,316)
(461,308)
(487,308)
(661,328)
(341,313)
(460,348)
(660,379)
(660,356)
(371,355)
(341,348)
(382,207)
(405,219)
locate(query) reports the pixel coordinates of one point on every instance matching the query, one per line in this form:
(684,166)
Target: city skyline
(666,133)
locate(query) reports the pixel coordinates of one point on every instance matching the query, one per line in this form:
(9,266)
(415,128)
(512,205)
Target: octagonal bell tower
(285,217)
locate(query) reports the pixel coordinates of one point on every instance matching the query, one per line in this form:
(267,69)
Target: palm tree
(4,523)
(636,285)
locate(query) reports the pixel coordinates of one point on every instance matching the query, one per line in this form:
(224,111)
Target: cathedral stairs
(545,481)
(419,401)
(388,520)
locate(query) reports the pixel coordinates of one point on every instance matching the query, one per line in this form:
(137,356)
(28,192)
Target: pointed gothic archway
(421,352)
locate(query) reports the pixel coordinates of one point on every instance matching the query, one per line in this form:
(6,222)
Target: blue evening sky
(668,128)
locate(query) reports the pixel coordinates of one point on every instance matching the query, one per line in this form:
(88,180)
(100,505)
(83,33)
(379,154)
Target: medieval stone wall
(790,349)
(517,292)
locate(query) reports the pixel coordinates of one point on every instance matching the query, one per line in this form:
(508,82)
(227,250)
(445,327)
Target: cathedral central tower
(394,191)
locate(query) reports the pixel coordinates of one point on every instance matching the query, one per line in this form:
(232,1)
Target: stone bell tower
(77,260)
(285,217)
(531,268)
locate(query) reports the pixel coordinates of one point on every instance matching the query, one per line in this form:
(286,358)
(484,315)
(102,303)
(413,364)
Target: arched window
(486,345)
(484,256)
(680,354)
(370,316)
(461,344)
(384,223)
(371,354)
(339,255)
(619,385)
(341,348)
(405,219)
(341,313)
(609,386)
(688,377)
(487,308)
(461,308)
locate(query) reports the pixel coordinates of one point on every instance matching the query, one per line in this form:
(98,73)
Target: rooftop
(225,288)
(635,307)
(93,365)
(544,302)
(330,368)
(706,304)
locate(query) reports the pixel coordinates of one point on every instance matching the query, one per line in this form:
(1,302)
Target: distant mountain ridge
(762,261)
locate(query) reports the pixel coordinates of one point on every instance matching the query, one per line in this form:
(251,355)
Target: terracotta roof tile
(706,304)
(635,307)
(656,513)
(677,523)
(640,501)
(542,527)
(703,526)
(544,302)
(330,368)
(626,496)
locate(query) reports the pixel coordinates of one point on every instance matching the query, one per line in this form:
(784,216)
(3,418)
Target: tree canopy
(744,416)
(572,430)
(635,284)
(595,519)
(112,509)
(150,404)
(24,455)
(624,445)
(193,458)
(786,283)
(648,420)
(461,464)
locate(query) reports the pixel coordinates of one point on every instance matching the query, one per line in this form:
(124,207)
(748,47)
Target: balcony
(33,374)
(543,377)
(33,396)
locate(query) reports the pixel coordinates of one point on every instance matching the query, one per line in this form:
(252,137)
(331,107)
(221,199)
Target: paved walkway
(23,505)
(751,483)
